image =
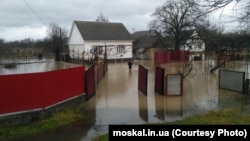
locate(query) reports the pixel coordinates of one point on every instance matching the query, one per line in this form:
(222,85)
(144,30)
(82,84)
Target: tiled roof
(103,30)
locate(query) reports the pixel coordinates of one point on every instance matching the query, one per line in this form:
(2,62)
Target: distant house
(145,44)
(196,47)
(90,39)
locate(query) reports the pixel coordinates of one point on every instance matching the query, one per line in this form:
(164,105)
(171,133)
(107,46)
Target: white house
(87,39)
(196,46)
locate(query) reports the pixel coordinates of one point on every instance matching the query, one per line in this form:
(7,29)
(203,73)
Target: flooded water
(31,66)
(118,101)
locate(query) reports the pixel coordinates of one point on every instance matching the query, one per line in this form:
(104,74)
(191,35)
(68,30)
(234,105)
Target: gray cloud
(18,16)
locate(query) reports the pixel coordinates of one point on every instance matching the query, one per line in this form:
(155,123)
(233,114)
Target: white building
(196,46)
(87,39)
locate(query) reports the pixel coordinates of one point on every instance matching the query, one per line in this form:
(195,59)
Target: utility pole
(58,44)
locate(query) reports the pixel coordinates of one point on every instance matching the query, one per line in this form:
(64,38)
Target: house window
(97,50)
(120,49)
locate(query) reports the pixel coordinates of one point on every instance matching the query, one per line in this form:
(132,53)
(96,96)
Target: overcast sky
(20,19)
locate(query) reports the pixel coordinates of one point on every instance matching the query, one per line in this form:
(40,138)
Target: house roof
(102,30)
(142,34)
(146,39)
(146,42)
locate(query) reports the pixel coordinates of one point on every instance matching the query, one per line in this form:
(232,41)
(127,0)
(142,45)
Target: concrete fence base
(39,114)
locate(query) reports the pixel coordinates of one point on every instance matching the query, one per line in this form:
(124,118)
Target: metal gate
(159,80)
(90,82)
(143,79)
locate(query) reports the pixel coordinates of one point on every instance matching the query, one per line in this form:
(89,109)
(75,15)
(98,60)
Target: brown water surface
(118,101)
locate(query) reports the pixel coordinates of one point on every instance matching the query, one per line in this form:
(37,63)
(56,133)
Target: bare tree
(241,8)
(174,17)
(54,30)
(210,33)
(207,29)
(57,34)
(102,18)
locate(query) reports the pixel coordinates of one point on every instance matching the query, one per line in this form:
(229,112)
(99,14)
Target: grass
(59,119)
(220,117)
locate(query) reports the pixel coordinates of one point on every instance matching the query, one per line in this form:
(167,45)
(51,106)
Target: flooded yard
(31,65)
(118,101)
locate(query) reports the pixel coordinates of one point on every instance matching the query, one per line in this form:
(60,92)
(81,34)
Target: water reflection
(143,107)
(168,107)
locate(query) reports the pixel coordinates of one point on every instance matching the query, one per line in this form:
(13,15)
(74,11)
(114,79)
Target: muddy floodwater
(31,65)
(118,101)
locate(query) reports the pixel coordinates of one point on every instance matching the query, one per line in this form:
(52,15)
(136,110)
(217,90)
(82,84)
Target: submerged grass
(104,137)
(57,120)
(220,117)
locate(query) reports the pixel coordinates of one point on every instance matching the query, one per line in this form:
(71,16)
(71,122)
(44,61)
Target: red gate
(143,79)
(159,80)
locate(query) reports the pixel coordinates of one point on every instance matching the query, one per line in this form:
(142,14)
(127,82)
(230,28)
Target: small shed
(145,44)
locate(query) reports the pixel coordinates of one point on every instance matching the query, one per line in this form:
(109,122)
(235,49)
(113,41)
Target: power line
(35,13)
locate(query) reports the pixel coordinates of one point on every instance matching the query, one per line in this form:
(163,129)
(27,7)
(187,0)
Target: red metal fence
(163,57)
(23,92)
(93,75)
